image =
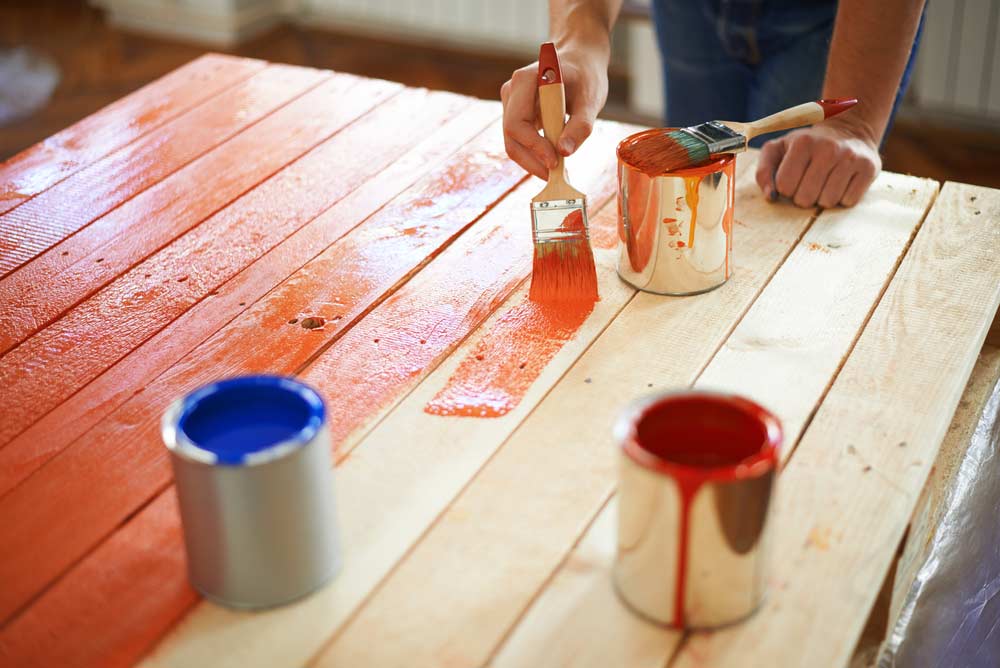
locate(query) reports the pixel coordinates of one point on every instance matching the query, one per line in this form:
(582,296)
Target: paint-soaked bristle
(563,271)
(667,152)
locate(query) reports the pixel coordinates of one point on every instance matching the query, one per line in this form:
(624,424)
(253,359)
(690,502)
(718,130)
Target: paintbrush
(563,267)
(691,146)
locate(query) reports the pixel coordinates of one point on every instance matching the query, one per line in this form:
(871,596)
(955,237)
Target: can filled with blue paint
(251,460)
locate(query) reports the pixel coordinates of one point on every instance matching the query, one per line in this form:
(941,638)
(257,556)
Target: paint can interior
(696,477)
(252,465)
(675,228)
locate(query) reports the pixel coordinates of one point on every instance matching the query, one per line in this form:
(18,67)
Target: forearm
(868,53)
(583,24)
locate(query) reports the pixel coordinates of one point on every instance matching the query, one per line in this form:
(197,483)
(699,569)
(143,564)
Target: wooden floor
(100,64)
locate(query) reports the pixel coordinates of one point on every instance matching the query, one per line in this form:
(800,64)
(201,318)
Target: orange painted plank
(249,227)
(67,507)
(82,410)
(69,271)
(70,205)
(43,165)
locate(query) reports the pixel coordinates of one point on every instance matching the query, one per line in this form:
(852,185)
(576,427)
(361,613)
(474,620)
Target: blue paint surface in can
(234,418)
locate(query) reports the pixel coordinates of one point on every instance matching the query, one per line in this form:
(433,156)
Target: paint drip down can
(696,480)
(675,228)
(251,461)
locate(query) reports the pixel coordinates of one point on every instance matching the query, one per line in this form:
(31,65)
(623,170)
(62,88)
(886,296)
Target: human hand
(585,77)
(831,163)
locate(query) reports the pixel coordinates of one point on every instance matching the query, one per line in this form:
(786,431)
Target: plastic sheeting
(951,615)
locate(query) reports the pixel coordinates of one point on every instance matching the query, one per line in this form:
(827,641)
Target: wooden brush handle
(808,113)
(552,106)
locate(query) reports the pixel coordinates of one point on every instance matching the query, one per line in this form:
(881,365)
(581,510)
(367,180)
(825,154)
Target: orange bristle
(564,270)
(665,152)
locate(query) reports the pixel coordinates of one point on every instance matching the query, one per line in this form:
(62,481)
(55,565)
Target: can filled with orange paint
(675,228)
(251,461)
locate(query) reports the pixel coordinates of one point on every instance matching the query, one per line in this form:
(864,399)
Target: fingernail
(567,146)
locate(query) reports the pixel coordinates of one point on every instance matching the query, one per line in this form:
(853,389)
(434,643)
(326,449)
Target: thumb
(578,128)
(770,158)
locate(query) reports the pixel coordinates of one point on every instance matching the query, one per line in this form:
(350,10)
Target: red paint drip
(698,438)
(835,105)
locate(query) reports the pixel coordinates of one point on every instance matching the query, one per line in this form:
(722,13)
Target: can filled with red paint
(252,465)
(696,480)
(675,228)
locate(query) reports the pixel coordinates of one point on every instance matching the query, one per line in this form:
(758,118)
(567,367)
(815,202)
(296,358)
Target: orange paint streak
(43,165)
(492,380)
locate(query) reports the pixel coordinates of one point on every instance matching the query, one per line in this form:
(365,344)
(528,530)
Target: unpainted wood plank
(69,206)
(43,165)
(121,463)
(98,398)
(451,601)
(47,368)
(940,483)
(783,354)
(385,502)
(858,470)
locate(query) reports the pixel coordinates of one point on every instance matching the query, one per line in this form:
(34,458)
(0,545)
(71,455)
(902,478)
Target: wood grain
(69,206)
(151,294)
(41,166)
(379,482)
(898,389)
(783,354)
(97,399)
(123,458)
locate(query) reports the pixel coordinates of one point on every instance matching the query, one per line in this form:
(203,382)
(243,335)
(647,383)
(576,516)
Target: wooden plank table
(206,224)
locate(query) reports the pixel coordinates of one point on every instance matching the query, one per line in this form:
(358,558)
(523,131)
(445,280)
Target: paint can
(675,229)
(696,479)
(252,465)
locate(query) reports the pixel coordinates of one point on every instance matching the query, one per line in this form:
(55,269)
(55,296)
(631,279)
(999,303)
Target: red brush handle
(548,65)
(835,105)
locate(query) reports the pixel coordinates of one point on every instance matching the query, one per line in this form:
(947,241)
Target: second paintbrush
(678,149)
(563,267)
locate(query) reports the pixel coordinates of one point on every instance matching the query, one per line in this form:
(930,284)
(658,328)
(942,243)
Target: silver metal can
(252,465)
(697,473)
(675,229)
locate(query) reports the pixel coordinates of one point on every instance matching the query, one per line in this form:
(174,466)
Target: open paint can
(252,465)
(697,474)
(675,228)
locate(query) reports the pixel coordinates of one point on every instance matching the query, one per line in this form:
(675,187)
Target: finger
(770,157)
(864,173)
(813,180)
(519,119)
(526,159)
(576,132)
(793,165)
(836,185)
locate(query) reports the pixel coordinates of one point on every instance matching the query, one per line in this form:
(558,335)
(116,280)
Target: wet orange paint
(691,184)
(493,378)
(564,270)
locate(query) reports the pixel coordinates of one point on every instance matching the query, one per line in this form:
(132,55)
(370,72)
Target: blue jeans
(739,60)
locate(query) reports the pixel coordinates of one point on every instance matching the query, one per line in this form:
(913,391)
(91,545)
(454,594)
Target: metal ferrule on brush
(718,137)
(548,215)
